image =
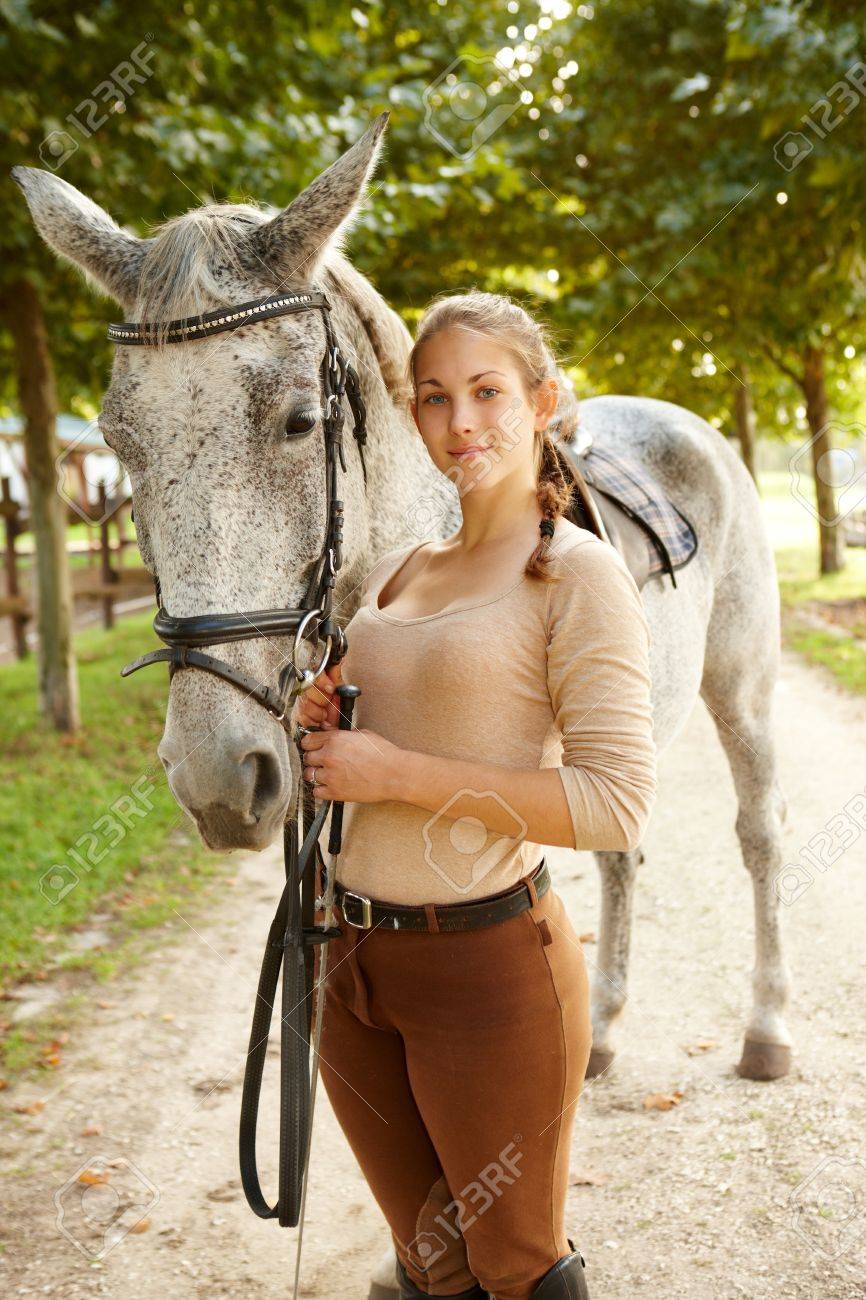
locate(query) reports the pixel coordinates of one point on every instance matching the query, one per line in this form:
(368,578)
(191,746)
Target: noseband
(313,620)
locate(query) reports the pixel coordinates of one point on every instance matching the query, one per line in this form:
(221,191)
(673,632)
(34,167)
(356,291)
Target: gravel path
(740,1189)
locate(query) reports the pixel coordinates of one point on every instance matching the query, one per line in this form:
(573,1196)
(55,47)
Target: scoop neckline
(427,618)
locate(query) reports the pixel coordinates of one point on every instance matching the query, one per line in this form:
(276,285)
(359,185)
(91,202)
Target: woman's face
(469,393)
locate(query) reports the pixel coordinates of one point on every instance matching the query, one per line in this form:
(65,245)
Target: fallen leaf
(662,1100)
(702,1045)
(92,1177)
(589,937)
(142,1226)
(92,1130)
(213,1085)
(29,1107)
(588,1178)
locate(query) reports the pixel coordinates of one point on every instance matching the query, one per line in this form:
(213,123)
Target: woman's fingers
(335,673)
(310,714)
(318,706)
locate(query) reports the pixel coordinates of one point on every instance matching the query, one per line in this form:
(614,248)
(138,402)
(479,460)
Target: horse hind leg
(618,873)
(740,699)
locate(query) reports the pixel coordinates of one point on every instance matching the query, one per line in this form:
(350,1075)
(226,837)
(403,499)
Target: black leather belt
(367,913)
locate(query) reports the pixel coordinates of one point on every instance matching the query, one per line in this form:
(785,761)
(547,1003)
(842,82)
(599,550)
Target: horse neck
(400,472)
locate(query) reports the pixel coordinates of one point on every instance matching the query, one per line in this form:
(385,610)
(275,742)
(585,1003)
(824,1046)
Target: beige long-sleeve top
(540,675)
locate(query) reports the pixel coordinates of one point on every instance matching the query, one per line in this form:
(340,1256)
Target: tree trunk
(832,540)
(58,681)
(745,413)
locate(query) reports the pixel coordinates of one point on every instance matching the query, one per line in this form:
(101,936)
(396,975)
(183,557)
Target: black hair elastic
(547,527)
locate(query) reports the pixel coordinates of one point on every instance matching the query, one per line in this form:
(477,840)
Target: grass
(794,535)
(88,825)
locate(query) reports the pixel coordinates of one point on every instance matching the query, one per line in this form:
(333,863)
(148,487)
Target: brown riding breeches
(453,1062)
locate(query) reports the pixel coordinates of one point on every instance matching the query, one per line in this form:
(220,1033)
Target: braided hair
(499,318)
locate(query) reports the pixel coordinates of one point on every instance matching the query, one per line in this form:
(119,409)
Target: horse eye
(300,422)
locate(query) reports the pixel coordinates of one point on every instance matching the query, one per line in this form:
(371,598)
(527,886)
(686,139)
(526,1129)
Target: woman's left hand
(351,766)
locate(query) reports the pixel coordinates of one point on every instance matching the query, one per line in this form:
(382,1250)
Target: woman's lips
(467,451)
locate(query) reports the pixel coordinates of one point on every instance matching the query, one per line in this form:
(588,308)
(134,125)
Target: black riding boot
(565,1281)
(409,1291)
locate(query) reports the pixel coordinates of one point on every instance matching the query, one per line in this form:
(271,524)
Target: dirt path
(698,1201)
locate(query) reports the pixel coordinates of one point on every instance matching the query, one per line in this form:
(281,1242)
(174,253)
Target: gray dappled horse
(231,509)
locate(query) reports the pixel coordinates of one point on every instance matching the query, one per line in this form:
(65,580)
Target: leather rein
(293,934)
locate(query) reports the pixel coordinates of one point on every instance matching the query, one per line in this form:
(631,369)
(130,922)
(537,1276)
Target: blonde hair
(505,322)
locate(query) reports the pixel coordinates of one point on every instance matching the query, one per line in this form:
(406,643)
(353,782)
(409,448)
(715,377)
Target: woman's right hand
(318,706)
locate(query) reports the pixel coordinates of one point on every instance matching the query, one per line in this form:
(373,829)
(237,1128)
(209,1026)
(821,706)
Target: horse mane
(192,260)
(183,272)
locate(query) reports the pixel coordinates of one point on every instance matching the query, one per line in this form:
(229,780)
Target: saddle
(619,500)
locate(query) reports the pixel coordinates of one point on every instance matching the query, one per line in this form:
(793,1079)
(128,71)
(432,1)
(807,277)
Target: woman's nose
(461,421)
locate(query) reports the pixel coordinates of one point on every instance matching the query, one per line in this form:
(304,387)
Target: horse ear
(294,243)
(84,233)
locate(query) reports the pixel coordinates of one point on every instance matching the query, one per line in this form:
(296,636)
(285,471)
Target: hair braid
(554,495)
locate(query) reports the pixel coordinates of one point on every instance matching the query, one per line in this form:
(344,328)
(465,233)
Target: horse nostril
(267,779)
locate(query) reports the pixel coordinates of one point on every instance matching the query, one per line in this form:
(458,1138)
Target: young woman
(505,705)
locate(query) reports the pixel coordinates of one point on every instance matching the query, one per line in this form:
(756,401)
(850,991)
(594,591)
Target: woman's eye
(299,423)
(437,399)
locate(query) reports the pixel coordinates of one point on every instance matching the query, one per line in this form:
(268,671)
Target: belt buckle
(366,910)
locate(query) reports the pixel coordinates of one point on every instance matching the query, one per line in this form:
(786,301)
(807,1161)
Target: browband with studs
(214,322)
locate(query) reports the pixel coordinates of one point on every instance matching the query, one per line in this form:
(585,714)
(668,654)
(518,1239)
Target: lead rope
(347,695)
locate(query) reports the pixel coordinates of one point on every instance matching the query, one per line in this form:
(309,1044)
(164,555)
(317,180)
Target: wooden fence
(104,579)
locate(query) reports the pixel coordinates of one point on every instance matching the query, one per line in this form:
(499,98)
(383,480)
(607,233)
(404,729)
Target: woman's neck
(486,522)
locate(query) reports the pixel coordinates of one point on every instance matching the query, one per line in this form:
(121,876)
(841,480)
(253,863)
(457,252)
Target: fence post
(17,610)
(108,575)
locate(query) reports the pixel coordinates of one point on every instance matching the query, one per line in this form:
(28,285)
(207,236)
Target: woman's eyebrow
(470,380)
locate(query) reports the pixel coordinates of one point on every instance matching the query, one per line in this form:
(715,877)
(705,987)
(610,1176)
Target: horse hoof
(764,1061)
(600,1059)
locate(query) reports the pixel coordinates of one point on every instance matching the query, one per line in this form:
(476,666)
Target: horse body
(715,635)
(230,507)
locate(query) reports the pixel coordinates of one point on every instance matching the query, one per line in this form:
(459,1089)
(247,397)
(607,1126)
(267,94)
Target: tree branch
(782,365)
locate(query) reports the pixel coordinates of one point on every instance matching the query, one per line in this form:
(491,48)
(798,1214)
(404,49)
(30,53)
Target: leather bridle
(294,933)
(312,620)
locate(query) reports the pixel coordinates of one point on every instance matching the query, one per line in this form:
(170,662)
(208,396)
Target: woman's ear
(546,401)
(413,407)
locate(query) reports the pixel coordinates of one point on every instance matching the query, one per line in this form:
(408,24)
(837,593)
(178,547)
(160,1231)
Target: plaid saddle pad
(671,539)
